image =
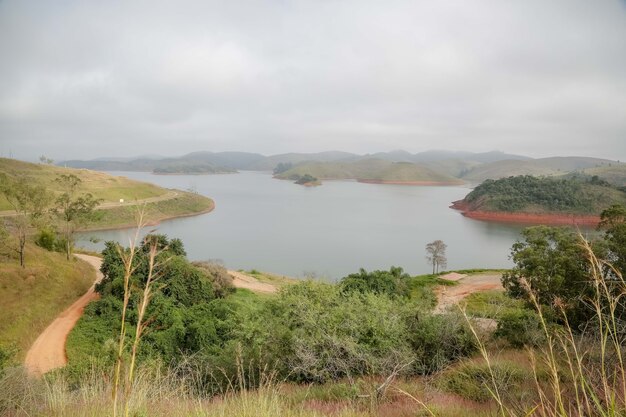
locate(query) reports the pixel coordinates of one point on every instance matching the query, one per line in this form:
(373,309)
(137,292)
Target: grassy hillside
(614,173)
(536,167)
(107,187)
(183,204)
(161,203)
(31,297)
(527,194)
(369,170)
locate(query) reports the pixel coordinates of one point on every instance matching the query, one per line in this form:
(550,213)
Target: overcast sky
(85,79)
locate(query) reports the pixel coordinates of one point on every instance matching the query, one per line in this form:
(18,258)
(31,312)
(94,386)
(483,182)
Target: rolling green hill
(107,187)
(160,203)
(527,194)
(536,167)
(374,170)
(614,173)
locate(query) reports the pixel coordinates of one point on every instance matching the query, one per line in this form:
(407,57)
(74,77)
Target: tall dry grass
(586,373)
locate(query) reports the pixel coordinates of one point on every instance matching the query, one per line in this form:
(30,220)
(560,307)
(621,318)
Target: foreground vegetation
(187,344)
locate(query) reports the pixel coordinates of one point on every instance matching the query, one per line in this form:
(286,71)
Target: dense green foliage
(531,194)
(394,282)
(282,167)
(614,224)
(303,179)
(521,328)
(369,324)
(184,314)
(554,264)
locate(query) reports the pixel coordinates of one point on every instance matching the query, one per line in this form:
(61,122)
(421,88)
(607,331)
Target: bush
(391,283)
(313,332)
(438,340)
(46,238)
(222,281)
(521,328)
(475,381)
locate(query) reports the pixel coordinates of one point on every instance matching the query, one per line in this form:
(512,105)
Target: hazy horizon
(88,79)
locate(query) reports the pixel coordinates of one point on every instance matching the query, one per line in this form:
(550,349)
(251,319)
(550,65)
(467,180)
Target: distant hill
(536,167)
(370,170)
(549,195)
(225,161)
(270,162)
(467,166)
(614,173)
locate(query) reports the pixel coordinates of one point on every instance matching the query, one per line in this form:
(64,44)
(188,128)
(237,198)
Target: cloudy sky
(84,79)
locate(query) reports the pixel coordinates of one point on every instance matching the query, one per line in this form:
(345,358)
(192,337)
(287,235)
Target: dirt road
(241,280)
(48,351)
(447,296)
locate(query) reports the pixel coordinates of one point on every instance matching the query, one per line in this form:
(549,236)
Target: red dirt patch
(529,218)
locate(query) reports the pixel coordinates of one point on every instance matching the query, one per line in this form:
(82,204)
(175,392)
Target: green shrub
(521,328)
(47,239)
(475,382)
(392,283)
(438,340)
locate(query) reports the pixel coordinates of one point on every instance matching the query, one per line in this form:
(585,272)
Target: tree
(73,209)
(45,160)
(29,203)
(436,254)
(552,263)
(613,221)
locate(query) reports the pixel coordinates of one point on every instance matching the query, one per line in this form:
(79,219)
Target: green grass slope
(370,170)
(31,297)
(614,173)
(554,166)
(163,203)
(107,187)
(184,204)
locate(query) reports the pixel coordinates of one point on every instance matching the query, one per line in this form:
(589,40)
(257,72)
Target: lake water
(329,231)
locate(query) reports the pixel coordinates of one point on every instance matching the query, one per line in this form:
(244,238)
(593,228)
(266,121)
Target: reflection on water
(332,230)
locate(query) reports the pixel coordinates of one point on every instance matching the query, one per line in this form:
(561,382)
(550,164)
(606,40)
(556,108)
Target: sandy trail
(449,296)
(48,351)
(241,280)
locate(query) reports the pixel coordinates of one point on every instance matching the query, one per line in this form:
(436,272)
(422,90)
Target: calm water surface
(329,231)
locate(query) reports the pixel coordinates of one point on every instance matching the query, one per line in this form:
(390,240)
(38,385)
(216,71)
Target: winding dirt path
(48,351)
(450,296)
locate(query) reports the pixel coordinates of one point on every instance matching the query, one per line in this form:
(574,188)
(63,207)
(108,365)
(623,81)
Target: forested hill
(527,194)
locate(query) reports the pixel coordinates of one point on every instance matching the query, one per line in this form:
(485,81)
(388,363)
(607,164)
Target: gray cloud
(91,78)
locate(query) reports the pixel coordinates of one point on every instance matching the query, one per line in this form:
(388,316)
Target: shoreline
(152,222)
(421,183)
(555,219)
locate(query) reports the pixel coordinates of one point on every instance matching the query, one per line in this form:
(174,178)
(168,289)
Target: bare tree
(436,254)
